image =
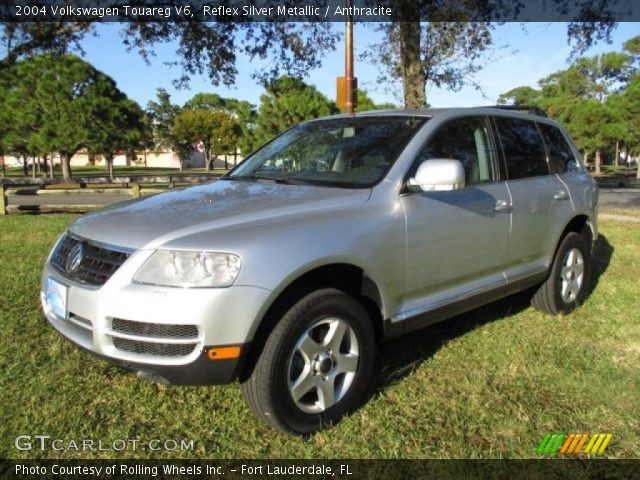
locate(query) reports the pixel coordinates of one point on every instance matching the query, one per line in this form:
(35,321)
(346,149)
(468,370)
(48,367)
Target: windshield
(344,152)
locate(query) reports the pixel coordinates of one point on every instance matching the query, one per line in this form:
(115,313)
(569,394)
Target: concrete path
(619,198)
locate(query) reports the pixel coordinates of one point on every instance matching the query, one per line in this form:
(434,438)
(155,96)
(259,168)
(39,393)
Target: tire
(568,281)
(316,364)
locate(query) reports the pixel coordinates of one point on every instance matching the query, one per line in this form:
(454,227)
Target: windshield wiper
(282,180)
(253,178)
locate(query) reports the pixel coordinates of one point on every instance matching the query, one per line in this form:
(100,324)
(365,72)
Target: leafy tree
(162,114)
(448,51)
(594,97)
(119,126)
(286,102)
(627,104)
(244,112)
(22,40)
(217,131)
(521,96)
(365,103)
(19,123)
(203,48)
(61,104)
(444,54)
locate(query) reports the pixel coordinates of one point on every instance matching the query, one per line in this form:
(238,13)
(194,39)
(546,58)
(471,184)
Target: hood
(150,221)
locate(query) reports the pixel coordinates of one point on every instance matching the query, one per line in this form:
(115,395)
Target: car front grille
(155,329)
(154,339)
(95,263)
(154,349)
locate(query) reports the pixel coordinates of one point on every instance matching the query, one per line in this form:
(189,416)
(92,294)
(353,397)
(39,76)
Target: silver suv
(341,232)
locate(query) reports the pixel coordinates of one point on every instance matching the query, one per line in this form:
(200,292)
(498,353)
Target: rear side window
(523,148)
(561,157)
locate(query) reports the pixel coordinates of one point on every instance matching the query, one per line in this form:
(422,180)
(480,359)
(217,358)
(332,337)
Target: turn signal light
(222,353)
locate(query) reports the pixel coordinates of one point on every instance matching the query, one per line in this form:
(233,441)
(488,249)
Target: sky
(532,51)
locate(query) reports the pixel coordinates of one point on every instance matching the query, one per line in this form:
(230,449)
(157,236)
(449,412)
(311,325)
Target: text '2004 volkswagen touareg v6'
(340,232)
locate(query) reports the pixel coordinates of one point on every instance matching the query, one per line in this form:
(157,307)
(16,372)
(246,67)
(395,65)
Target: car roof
(451,112)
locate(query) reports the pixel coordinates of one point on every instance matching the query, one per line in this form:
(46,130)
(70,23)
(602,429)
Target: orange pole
(348,64)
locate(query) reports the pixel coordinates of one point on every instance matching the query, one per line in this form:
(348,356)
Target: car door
(541,201)
(456,240)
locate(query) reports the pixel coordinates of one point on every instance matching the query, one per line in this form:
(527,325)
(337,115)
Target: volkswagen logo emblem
(75,258)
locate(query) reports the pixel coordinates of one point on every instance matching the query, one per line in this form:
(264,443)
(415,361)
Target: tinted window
(468,140)
(523,148)
(561,157)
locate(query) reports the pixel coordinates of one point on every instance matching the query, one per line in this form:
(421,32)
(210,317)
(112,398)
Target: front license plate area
(55,295)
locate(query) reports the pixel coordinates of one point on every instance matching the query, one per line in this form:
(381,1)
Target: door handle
(561,195)
(502,206)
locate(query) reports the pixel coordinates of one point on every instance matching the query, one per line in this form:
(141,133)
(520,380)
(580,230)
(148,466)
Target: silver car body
(424,256)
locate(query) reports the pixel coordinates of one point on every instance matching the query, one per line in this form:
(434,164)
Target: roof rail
(522,108)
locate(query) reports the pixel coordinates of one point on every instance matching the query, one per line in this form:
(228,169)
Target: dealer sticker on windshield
(56,298)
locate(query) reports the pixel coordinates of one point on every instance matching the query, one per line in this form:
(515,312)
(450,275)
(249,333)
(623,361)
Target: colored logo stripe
(574,443)
(550,443)
(598,443)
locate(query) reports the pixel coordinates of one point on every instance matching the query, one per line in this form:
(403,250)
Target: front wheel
(568,281)
(316,364)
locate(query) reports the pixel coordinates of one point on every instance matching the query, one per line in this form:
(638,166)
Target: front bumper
(163,333)
(202,371)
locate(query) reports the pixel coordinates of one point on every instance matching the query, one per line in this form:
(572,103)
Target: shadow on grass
(399,357)
(600,261)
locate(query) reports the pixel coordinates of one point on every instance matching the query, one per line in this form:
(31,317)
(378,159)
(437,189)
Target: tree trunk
(65,160)
(598,162)
(33,168)
(51,167)
(615,162)
(25,167)
(413,80)
(109,159)
(45,166)
(3,167)
(207,158)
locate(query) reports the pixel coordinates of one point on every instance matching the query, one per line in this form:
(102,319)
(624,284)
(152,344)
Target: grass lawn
(488,384)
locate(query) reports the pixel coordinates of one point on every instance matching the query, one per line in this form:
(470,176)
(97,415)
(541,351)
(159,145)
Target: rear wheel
(568,281)
(316,364)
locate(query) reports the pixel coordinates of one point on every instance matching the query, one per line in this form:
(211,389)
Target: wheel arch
(346,277)
(582,225)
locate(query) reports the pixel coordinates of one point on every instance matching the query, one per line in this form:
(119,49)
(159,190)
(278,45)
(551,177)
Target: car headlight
(175,268)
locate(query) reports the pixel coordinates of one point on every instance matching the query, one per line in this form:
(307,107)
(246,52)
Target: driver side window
(468,140)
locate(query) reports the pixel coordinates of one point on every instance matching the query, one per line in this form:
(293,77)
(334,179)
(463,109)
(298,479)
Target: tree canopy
(244,112)
(202,48)
(215,130)
(61,104)
(457,41)
(444,52)
(286,102)
(597,97)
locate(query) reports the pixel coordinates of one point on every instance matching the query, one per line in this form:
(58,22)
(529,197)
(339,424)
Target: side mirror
(438,174)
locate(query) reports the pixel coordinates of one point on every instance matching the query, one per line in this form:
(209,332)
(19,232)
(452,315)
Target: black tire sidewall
(571,241)
(311,309)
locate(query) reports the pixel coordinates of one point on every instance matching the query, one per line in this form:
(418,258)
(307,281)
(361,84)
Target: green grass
(488,384)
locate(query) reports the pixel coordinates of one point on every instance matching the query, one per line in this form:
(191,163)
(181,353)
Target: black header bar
(319,10)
